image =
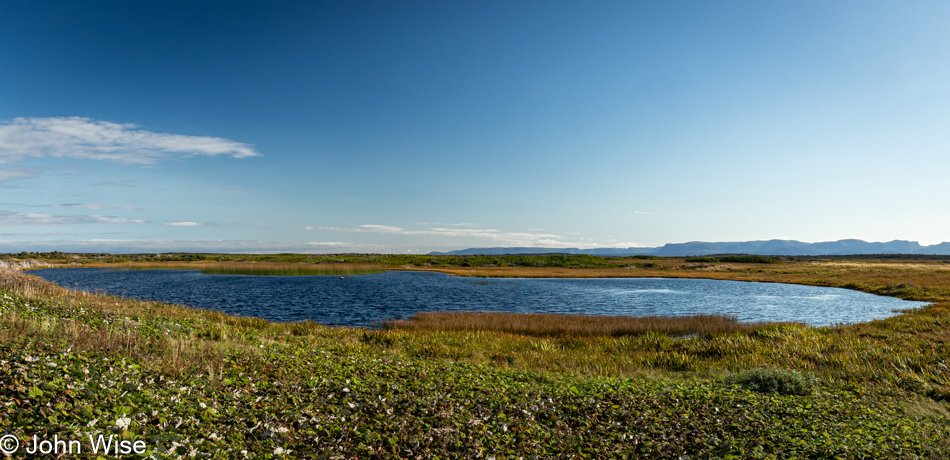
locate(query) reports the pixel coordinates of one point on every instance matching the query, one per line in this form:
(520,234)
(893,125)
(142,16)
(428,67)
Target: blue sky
(430,125)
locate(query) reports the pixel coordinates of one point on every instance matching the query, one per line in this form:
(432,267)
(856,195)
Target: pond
(363,300)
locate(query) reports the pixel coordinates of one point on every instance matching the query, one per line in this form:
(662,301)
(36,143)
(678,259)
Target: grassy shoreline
(568,325)
(870,390)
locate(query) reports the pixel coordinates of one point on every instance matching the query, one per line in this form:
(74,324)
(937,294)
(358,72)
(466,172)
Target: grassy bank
(190,381)
(555,325)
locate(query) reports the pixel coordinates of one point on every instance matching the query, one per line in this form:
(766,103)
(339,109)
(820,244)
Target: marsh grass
(261,268)
(485,384)
(558,325)
(165,337)
(910,351)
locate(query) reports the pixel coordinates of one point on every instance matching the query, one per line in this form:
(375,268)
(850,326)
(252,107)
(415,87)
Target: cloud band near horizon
(522,239)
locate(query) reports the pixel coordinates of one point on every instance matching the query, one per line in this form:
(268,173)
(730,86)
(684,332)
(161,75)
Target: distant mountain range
(769,247)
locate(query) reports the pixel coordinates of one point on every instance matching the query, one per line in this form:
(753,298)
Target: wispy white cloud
(516,239)
(369,228)
(485,233)
(85,138)
(382,229)
(633,244)
(18,172)
(183,224)
(28,218)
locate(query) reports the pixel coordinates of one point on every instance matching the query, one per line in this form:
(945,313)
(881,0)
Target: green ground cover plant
(193,382)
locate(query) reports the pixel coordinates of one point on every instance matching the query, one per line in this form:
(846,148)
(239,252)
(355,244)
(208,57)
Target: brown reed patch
(28,285)
(558,325)
(201,349)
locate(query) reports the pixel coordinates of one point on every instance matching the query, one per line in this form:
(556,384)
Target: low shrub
(739,259)
(646,265)
(749,259)
(774,381)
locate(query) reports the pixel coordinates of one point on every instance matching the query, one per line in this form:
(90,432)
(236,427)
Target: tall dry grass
(202,349)
(15,281)
(556,325)
(172,354)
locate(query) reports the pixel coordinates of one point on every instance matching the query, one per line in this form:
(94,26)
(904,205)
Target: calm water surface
(364,299)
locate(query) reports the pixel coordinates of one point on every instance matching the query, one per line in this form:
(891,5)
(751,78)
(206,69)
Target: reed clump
(559,325)
(15,281)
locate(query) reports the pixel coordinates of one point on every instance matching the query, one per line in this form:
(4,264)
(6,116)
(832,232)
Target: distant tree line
(739,258)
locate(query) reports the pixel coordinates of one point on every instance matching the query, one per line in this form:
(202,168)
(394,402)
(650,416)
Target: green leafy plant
(774,381)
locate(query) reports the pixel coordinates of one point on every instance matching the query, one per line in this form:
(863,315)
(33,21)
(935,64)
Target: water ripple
(365,299)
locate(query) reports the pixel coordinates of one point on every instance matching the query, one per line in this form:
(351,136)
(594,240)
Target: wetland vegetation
(558,325)
(190,381)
